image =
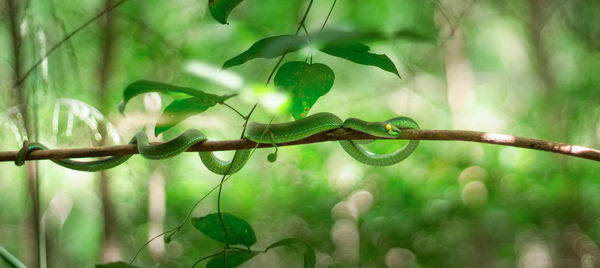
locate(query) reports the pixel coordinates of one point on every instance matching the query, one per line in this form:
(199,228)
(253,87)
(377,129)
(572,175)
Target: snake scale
(259,133)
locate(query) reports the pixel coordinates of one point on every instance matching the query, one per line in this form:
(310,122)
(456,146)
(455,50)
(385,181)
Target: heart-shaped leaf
(180,109)
(239,232)
(234,259)
(268,48)
(118,264)
(144,86)
(309,256)
(359,53)
(304,83)
(220,9)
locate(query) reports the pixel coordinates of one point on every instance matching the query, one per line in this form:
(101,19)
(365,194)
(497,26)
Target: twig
(300,25)
(337,134)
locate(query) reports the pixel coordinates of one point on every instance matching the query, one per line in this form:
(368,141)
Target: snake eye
(388,127)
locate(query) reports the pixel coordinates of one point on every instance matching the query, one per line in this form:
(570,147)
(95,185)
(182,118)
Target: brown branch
(333,135)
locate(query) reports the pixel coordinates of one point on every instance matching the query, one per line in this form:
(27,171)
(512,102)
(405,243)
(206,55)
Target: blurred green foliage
(528,68)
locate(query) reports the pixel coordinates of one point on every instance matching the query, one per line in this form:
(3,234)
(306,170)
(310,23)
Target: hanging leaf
(239,232)
(304,83)
(220,9)
(10,259)
(268,48)
(309,256)
(234,259)
(284,242)
(337,37)
(359,53)
(118,264)
(181,109)
(412,35)
(333,36)
(143,86)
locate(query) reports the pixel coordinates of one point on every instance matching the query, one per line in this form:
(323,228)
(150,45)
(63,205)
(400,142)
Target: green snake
(258,133)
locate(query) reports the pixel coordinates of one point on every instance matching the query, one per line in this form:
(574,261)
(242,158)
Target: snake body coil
(259,133)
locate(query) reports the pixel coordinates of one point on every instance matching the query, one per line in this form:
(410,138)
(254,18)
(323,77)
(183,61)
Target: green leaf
(329,37)
(268,48)
(414,36)
(220,9)
(10,259)
(234,259)
(118,264)
(309,256)
(143,86)
(360,54)
(180,109)
(305,83)
(238,230)
(333,37)
(284,242)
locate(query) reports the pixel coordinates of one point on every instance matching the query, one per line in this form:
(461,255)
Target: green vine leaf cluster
(232,230)
(304,82)
(197,101)
(238,231)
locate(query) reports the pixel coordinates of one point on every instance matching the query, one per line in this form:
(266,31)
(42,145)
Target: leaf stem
(227,175)
(301,24)
(328,15)
(206,257)
(235,110)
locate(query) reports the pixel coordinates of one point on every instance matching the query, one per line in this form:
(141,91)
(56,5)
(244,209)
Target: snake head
(392,130)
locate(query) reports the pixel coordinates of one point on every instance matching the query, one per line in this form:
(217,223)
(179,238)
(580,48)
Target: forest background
(519,67)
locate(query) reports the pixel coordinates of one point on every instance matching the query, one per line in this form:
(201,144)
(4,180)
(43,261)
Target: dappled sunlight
(474,194)
(501,138)
(362,200)
(344,210)
(273,100)
(535,254)
(215,74)
(472,173)
(582,245)
(399,258)
(343,173)
(152,102)
(346,240)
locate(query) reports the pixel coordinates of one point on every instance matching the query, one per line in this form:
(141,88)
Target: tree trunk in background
(538,22)
(156,186)
(459,74)
(18,97)
(110,245)
(556,122)
(460,84)
(156,211)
